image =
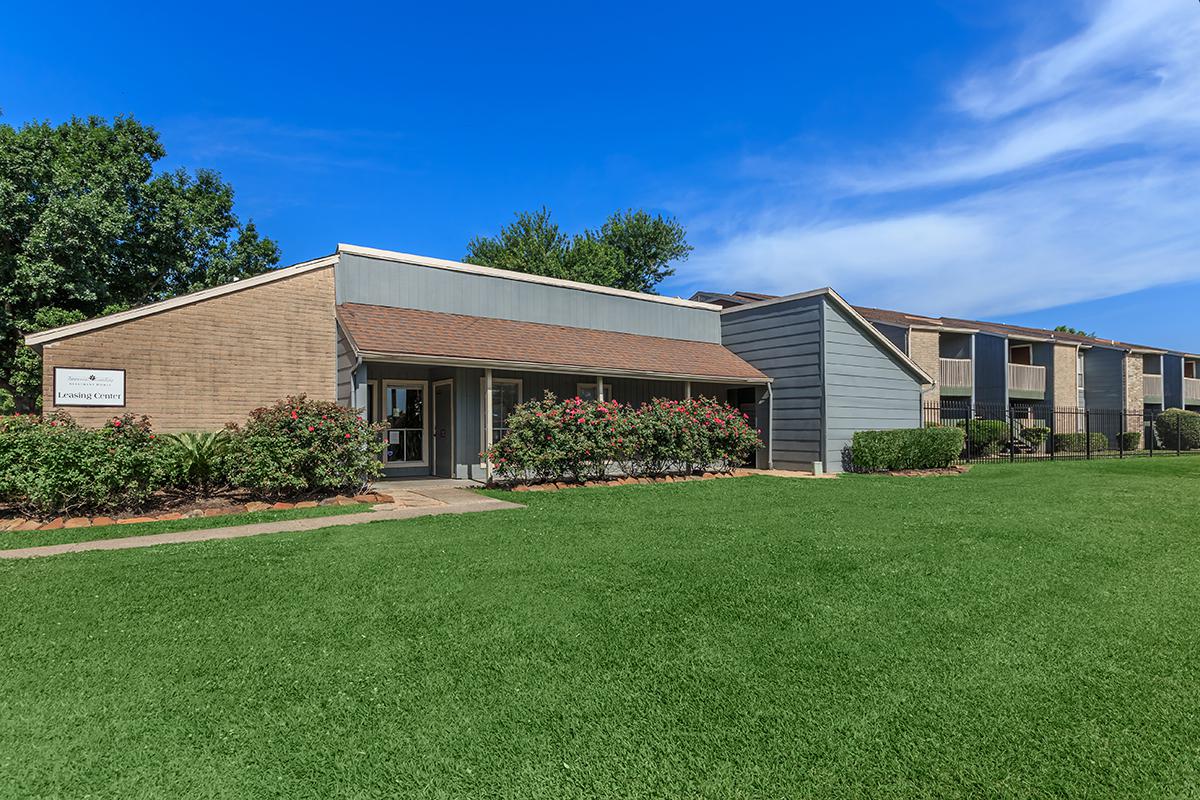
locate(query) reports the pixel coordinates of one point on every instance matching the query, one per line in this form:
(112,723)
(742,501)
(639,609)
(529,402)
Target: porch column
(687,390)
(600,398)
(359,390)
(487,420)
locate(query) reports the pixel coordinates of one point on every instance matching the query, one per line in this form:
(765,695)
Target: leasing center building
(441,352)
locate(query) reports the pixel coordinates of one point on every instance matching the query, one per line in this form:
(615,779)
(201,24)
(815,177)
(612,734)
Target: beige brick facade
(198,366)
(924,349)
(1135,397)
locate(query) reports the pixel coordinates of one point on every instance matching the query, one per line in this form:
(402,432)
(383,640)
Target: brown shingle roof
(401,332)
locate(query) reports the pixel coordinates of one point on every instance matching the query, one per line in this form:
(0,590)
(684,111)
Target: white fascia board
(507,274)
(53,334)
(848,309)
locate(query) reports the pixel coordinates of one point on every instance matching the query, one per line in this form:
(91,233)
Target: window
(506,396)
(404,404)
(587,391)
(1079,369)
(1021,354)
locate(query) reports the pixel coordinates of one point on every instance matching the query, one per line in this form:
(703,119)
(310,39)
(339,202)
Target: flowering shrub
(53,466)
(301,445)
(575,440)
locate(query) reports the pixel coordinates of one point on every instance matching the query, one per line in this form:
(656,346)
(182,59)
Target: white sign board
(89,387)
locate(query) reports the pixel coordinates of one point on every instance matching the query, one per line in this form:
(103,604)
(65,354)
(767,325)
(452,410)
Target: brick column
(924,349)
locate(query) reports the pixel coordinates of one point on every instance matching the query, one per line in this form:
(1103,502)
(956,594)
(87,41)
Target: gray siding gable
(783,340)
(386,282)
(867,387)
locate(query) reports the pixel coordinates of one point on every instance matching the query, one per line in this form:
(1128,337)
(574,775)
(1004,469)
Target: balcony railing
(956,373)
(1152,388)
(1191,391)
(1026,382)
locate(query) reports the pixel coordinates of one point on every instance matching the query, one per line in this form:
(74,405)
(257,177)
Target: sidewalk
(442,498)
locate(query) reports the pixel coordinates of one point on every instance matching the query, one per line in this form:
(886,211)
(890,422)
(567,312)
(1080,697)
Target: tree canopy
(87,227)
(632,250)
(1076,331)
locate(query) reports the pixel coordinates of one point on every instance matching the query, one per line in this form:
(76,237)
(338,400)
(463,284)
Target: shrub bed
(52,466)
(1178,429)
(300,445)
(1078,442)
(985,436)
(905,448)
(575,440)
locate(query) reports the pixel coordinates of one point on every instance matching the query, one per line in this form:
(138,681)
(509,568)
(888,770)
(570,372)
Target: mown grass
(1024,630)
(12,540)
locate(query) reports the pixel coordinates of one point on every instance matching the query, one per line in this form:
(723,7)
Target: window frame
(518,382)
(579,387)
(425,410)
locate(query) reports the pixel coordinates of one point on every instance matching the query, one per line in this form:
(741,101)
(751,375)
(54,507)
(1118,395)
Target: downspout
(770,425)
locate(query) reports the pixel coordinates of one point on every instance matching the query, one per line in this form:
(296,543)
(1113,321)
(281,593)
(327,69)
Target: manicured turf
(11,540)
(1026,630)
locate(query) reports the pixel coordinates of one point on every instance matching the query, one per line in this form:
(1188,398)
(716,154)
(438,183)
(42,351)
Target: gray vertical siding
(1173,381)
(1103,379)
(991,369)
(376,281)
(866,386)
(783,340)
(345,370)
(954,345)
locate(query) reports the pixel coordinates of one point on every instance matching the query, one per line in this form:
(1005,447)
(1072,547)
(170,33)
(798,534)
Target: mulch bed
(925,473)
(622,481)
(173,505)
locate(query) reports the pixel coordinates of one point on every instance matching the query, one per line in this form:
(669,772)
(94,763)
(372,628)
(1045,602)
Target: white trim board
(53,334)
(458,266)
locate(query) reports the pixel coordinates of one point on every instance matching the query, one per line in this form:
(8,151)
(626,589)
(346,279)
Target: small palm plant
(197,460)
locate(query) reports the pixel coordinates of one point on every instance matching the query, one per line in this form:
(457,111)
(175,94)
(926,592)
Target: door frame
(425,419)
(433,456)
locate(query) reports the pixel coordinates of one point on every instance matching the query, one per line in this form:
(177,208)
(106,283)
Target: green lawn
(12,540)
(1024,630)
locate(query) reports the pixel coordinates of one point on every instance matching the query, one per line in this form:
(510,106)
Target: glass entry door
(404,405)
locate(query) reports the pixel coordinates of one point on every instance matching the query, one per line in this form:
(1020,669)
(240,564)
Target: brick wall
(201,365)
(1134,392)
(923,348)
(1064,380)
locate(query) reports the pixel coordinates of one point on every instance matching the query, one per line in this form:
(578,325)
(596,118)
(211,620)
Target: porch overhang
(414,336)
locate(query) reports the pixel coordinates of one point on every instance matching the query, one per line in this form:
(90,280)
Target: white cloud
(1068,174)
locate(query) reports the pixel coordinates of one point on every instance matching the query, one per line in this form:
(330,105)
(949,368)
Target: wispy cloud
(1065,174)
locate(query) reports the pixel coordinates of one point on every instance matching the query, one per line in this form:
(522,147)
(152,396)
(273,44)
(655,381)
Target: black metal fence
(995,432)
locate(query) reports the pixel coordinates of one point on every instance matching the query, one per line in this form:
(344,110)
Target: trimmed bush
(1036,435)
(1130,440)
(54,466)
(1078,442)
(906,448)
(1178,429)
(985,435)
(576,440)
(300,445)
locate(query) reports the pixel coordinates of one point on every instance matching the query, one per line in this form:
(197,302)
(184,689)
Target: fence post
(1012,445)
(1050,442)
(1087,432)
(1121,440)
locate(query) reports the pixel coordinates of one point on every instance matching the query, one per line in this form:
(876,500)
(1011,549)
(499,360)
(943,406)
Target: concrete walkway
(415,499)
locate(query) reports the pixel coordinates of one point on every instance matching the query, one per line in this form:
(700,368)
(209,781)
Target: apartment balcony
(1026,382)
(1152,389)
(956,377)
(1191,391)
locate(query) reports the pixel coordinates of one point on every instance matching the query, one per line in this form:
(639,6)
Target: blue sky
(1034,162)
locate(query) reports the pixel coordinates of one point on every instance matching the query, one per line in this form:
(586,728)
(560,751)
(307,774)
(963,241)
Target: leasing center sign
(89,387)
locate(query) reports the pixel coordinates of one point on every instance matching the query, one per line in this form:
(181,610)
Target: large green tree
(88,227)
(632,250)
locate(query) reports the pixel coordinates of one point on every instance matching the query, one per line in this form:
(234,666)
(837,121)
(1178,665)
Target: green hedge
(1078,442)
(1130,440)
(1178,429)
(1035,435)
(985,435)
(906,448)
